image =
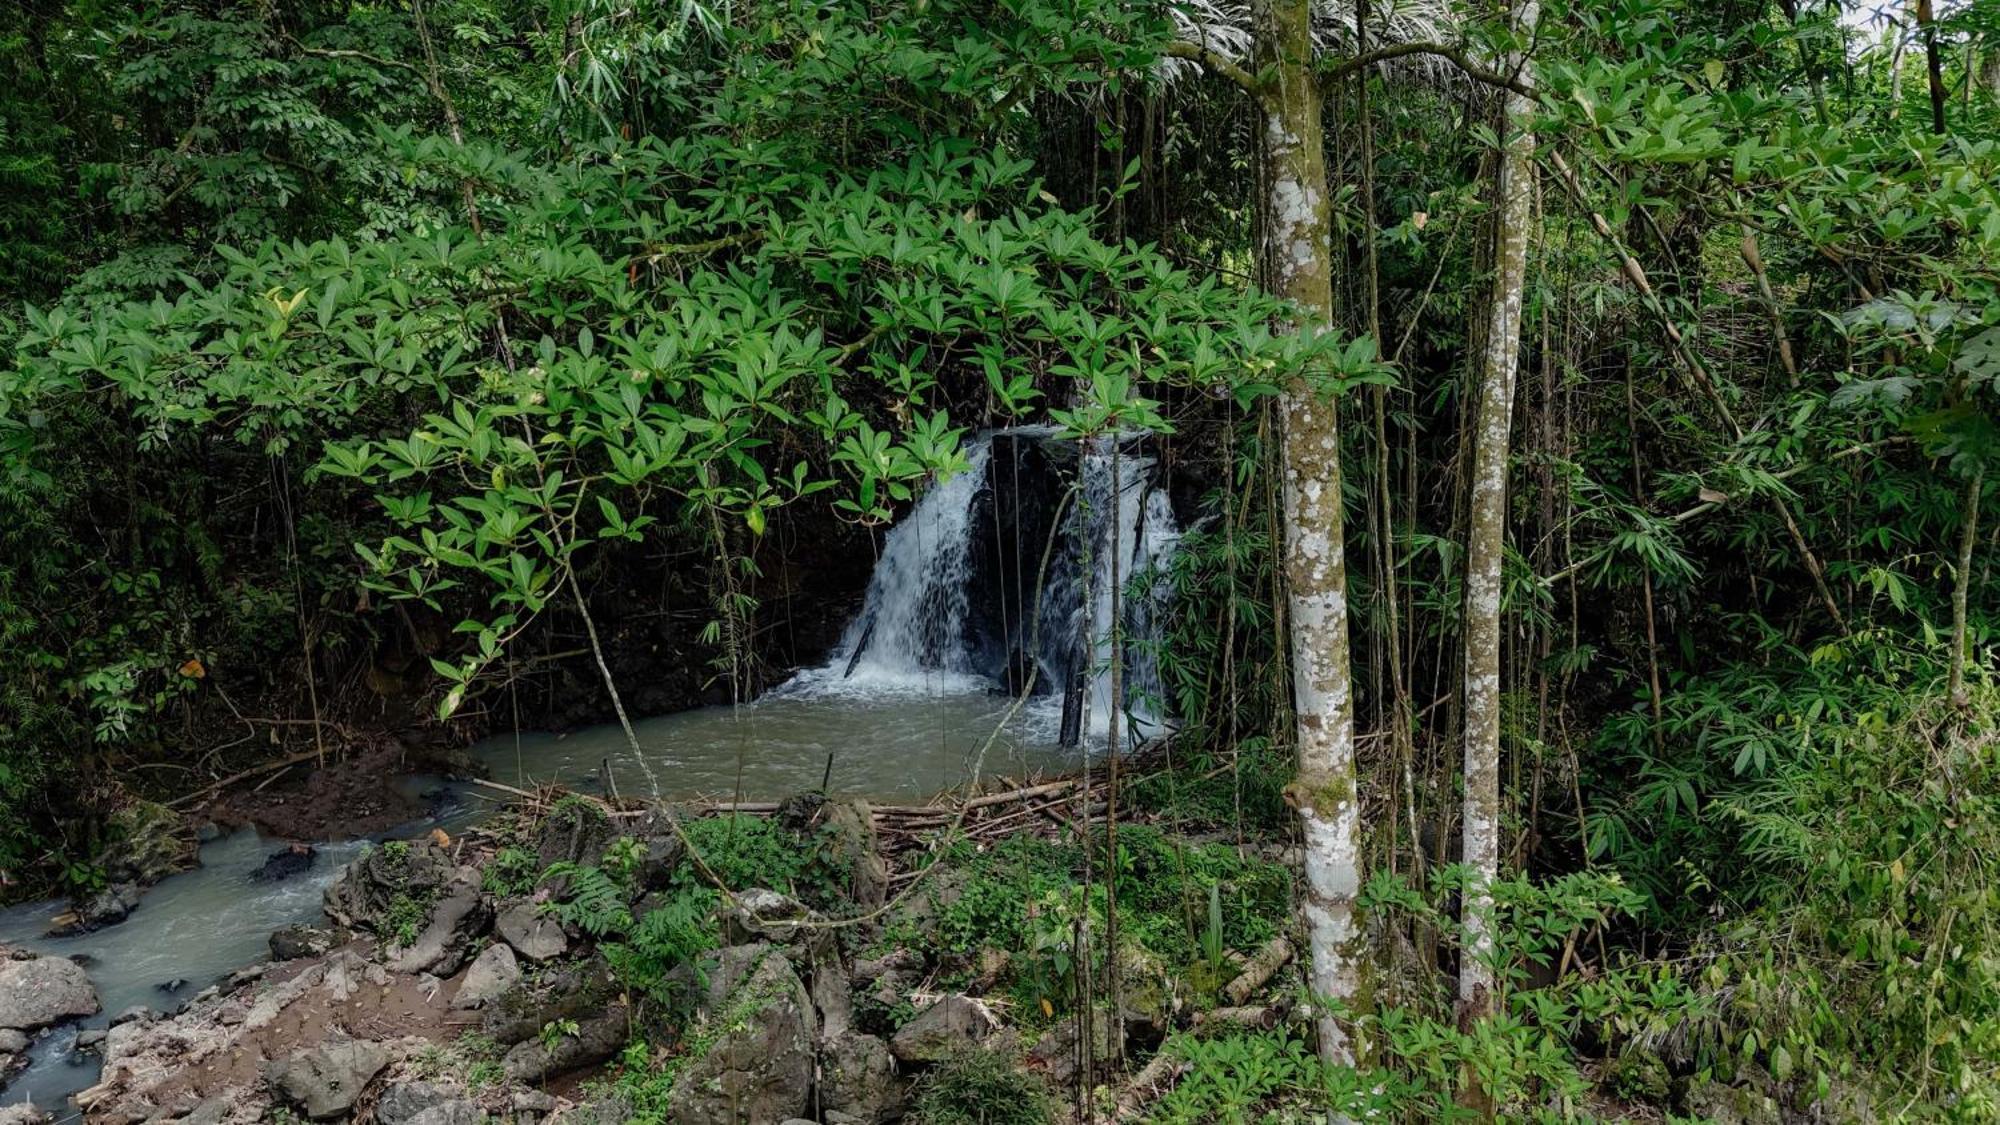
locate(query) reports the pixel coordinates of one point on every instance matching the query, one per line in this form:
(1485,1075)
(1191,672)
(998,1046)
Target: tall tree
(1296,259)
(1486,537)
(1296,254)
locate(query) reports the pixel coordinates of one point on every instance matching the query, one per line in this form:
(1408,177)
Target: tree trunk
(1296,252)
(1960,588)
(1933,64)
(1487,537)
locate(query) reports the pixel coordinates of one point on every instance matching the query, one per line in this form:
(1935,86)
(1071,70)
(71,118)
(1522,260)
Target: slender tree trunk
(1933,64)
(1486,538)
(1297,252)
(1961,587)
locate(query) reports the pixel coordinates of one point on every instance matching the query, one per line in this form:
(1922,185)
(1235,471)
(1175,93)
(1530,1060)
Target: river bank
(501,970)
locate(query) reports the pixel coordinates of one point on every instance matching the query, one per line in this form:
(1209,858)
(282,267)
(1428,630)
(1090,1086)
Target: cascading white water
(916,630)
(911,630)
(1139,522)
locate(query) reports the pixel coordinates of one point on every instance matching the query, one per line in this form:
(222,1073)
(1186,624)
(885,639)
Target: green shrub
(979,1087)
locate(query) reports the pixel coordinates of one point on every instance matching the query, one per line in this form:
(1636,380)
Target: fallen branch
(1264,964)
(240,776)
(1261,1017)
(1154,1080)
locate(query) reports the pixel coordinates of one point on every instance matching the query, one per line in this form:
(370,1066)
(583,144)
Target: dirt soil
(360,796)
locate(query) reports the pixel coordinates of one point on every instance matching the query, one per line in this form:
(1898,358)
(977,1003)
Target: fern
(675,934)
(593,902)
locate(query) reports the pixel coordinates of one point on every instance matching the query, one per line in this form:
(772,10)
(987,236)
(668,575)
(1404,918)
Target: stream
(203,924)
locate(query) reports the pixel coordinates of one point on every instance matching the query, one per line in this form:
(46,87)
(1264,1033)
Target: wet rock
(325,1081)
(367,889)
(210,1111)
(281,865)
(858,1079)
(532,934)
(445,944)
(759,915)
(760,1068)
(293,942)
(797,813)
(493,972)
(138,1013)
(946,1028)
(107,907)
(575,831)
(38,991)
(245,975)
(594,1040)
(918,912)
(888,979)
(534,1101)
(171,986)
(459,1112)
(91,1038)
(149,843)
(665,852)
(849,828)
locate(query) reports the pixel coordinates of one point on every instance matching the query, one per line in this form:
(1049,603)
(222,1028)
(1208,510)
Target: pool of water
(890,746)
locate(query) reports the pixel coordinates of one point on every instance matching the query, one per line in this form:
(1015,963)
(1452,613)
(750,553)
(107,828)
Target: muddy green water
(891,747)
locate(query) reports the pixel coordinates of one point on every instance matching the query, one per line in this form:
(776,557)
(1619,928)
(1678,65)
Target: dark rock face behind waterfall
(1013,523)
(1004,575)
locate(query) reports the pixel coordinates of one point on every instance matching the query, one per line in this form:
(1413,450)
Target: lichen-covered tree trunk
(1486,538)
(1296,260)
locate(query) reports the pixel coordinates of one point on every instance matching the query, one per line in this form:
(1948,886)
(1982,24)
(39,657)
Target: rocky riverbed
(489,977)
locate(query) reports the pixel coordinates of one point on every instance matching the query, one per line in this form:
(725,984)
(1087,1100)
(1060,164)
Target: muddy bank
(350,798)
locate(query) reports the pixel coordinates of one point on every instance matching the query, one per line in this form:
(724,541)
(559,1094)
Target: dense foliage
(363,356)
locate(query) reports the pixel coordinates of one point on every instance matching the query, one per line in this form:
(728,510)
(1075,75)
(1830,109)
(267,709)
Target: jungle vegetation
(1595,400)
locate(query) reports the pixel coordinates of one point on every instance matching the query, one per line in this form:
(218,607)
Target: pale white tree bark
(1297,254)
(1486,537)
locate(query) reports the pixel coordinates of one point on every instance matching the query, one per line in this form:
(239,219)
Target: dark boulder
(377,881)
(592,1041)
(325,1081)
(760,1066)
(281,865)
(946,1028)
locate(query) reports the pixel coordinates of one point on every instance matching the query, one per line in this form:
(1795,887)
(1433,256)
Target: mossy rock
(149,842)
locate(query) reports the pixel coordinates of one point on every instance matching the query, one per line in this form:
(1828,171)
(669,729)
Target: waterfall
(1142,519)
(945,608)
(911,631)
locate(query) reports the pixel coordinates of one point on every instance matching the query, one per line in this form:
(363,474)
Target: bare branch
(1454,55)
(1217,62)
